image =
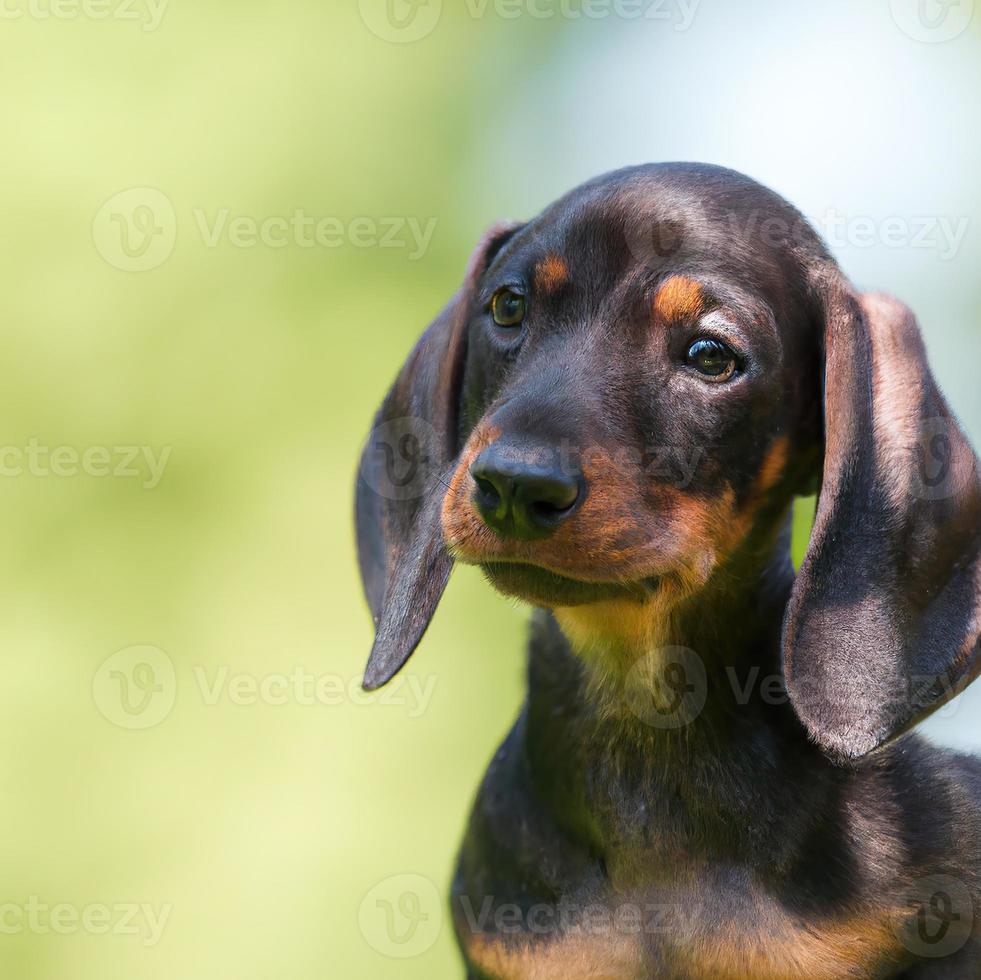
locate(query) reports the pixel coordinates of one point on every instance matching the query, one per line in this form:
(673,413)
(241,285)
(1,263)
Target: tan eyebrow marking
(551,274)
(679,298)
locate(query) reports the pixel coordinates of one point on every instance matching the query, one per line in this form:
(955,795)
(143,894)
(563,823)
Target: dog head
(618,408)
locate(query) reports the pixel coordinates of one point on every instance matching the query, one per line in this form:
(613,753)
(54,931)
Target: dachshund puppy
(713,774)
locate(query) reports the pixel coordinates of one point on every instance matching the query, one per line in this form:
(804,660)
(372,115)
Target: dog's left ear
(883,624)
(402,478)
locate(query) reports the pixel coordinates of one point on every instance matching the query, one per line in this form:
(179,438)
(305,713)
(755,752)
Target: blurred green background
(194,786)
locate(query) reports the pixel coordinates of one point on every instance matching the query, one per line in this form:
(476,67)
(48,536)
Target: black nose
(523,495)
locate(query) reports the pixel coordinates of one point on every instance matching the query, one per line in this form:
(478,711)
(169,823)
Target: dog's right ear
(403,474)
(884,623)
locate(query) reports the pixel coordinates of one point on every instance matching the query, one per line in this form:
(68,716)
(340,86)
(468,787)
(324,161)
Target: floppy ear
(403,475)
(883,624)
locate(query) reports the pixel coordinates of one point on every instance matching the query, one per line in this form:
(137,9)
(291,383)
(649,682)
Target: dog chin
(541,587)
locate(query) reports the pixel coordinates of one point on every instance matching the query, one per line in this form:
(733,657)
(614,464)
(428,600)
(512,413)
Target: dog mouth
(542,587)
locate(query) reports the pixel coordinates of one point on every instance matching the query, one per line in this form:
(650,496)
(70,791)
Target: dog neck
(731,623)
(614,745)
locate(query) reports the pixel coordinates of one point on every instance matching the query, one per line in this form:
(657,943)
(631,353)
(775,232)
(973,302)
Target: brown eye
(713,359)
(507,308)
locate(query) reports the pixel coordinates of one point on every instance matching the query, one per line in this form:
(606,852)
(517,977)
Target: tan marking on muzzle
(601,542)
(701,534)
(459,519)
(609,540)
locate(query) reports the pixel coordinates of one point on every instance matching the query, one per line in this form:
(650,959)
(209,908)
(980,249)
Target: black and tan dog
(712,776)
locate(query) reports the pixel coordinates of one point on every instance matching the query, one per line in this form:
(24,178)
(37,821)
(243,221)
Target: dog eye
(712,358)
(507,307)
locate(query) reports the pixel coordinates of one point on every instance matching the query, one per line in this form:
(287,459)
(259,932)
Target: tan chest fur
(758,942)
